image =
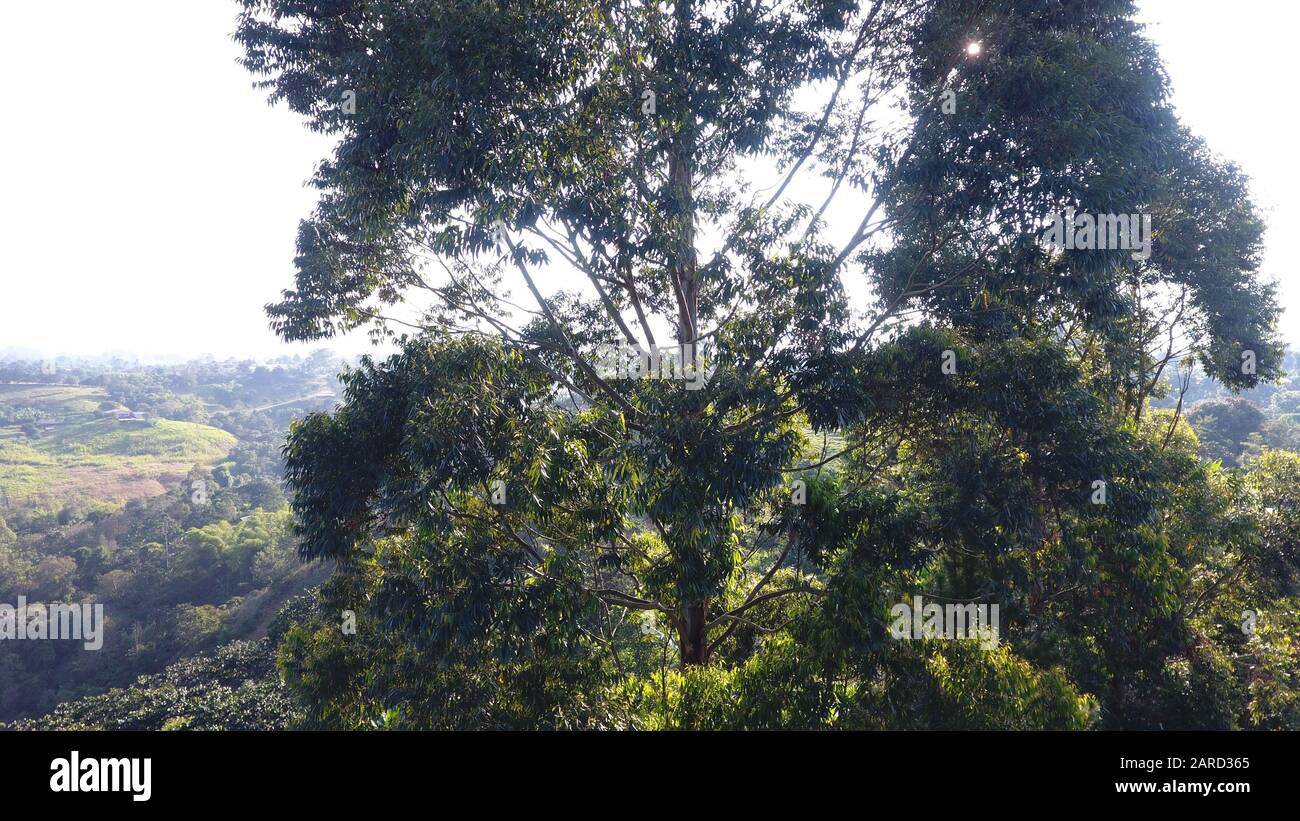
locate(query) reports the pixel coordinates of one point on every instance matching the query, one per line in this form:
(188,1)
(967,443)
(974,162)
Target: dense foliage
(235,688)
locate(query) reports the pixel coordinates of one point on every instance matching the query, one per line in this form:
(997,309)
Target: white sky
(149,197)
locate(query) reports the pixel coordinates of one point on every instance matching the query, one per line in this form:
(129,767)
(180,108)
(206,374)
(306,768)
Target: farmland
(72,453)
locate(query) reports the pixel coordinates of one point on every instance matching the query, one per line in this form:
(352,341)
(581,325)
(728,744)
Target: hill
(61,447)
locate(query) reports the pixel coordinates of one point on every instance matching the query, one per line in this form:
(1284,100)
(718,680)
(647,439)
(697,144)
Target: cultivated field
(87,458)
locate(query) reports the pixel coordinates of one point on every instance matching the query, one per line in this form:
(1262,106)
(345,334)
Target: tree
(531,514)
(53,576)
(1225,426)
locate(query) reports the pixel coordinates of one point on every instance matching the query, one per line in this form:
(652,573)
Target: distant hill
(59,445)
(52,399)
(98,504)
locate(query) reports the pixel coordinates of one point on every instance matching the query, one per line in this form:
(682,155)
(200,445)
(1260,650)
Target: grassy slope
(93,459)
(56,400)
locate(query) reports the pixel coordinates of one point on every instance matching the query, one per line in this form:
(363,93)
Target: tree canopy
(836,211)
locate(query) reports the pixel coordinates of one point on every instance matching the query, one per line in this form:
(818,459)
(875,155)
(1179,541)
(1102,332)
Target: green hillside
(55,400)
(80,455)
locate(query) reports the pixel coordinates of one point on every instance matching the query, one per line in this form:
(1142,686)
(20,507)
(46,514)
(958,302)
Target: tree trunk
(683,270)
(681,183)
(694,639)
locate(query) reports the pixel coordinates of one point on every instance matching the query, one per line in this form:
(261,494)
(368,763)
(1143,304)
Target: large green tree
(837,209)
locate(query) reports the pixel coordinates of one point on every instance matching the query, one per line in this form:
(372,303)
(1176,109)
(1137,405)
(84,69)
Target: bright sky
(150,196)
